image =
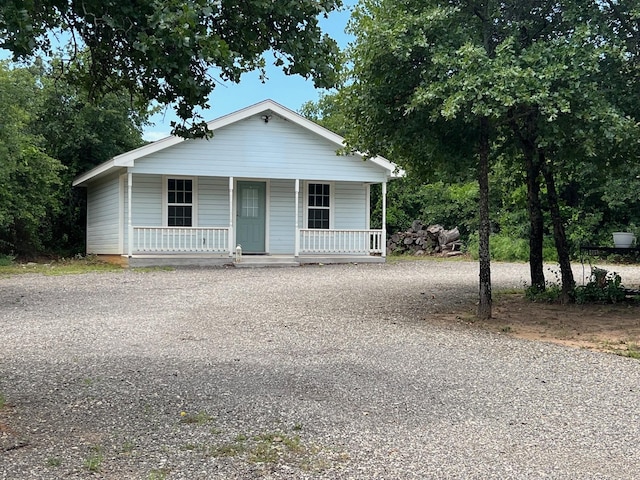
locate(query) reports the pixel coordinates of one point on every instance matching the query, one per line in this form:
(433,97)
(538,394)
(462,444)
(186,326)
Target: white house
(269,181)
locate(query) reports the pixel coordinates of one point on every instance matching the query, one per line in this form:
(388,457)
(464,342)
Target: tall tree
(81,134)
(536,71)
(174,51)
(29,178)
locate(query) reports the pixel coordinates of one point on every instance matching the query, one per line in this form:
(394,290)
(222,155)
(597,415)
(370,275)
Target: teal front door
(251,216)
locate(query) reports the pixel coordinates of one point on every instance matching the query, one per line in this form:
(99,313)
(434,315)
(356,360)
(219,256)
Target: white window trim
(332,203)
(165,199)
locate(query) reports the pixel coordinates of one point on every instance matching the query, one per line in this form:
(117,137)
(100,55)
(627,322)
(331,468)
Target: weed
(6,260)
(199,418)
(231,449)
(270,447)
(603,287)
(94,461)
(506,329)
(158,473)
(54,462)
(128,446)
(3,401)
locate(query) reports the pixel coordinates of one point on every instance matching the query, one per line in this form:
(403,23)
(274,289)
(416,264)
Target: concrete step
(249,261)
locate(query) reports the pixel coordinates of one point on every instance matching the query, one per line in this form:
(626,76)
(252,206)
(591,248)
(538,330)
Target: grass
(63,266)
(54,462)
(200,418)
(274,448)
(159,473)
(93,462)
(632,350)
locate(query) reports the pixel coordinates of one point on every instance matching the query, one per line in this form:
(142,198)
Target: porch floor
(247,261)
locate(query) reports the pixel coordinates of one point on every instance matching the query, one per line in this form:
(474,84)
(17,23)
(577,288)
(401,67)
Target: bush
(603,287)
(506,248)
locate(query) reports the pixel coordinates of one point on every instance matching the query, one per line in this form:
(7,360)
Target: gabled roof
(128,159)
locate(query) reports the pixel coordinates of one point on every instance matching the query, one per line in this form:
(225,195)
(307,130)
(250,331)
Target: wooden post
(129,214)
(231,236)
(384,219)
(296,202)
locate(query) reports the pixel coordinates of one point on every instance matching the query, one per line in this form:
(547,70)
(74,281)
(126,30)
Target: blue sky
(290,91)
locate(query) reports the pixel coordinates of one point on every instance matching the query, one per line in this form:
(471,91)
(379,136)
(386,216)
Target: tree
(29,178)
(398,55)
(81,134)
(173,51)
(433,77)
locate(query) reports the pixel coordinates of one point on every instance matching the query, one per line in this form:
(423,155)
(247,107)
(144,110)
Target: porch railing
(180,240)
(362,242)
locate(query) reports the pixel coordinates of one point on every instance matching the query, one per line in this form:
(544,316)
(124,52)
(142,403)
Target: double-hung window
(179,202)
(319,206)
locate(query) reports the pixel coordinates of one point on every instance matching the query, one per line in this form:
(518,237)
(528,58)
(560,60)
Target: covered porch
(218,245)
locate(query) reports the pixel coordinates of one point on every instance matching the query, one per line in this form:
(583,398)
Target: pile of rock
(425,240)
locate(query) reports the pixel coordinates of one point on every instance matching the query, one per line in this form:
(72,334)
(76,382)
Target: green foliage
(550,294)
(166,51)
(51,132)
(603,287)
(505,248)
(29,178)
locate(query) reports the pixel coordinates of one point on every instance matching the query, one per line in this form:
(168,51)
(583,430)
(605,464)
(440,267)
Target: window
(319,207)
(180,202)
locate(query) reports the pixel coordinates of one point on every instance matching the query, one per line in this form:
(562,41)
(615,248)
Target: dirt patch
(607,328)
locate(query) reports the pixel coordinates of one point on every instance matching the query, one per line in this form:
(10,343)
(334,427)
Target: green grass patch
(63,266)
(93,462)
(200,418)
(54,462)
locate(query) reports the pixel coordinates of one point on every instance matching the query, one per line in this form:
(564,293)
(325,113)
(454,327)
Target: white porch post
(297,222)
(384,219)
(129,214)
(231,247)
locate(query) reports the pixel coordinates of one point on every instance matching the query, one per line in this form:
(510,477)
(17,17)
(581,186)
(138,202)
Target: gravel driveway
(311,372)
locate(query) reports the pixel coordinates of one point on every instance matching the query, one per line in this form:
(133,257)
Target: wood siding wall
(252,148)
(103,216)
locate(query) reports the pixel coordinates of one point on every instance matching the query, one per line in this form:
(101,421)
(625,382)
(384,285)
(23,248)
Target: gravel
(314,372)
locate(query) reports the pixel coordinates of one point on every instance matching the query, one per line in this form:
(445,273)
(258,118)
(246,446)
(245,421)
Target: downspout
(384,219)
(129,213)
(231,236)
(296,247)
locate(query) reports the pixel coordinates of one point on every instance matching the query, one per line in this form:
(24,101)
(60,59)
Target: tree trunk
(525,129)
(484,304)
(536,221)
(562,246)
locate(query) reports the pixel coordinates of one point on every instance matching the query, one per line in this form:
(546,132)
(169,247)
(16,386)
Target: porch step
(249,261)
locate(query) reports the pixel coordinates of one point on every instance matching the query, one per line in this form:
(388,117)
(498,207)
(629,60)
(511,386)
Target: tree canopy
(173,51)
(50,132)
(546,79)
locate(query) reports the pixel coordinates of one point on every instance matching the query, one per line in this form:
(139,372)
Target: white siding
(282,220)
(213,202)
(147,201)
(103,215)
(252,148)
(350,209)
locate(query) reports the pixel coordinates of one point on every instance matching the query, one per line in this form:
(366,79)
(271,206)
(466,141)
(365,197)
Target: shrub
(603,287)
